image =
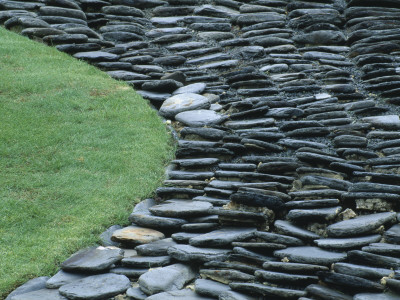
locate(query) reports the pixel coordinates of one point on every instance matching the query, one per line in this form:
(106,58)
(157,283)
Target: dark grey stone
(392,235)
(101,286)
(370,259)
(288,228)
(189,253)
(106,236)
(293,267)
(226,275)
(62,278)
(185,294)
(267,291)
(170,278)
(157,248)
(310,255)
(258,199)
(353,283)
(146,261)
(136,293)
(326,293)
(231,295)
(222,237)
(128,272)
(126,75)
(43,294)
(347,243)
(360,225)
(163,86)
(210,288)
(93,259)
(181,208)
(200,118)
(32,285)
(383,249)
(313,215)
(278,238)
(183,102)
(375,296)
(284,278)
(361,271)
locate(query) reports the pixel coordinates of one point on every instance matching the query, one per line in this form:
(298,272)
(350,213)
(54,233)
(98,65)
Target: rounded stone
(136,235)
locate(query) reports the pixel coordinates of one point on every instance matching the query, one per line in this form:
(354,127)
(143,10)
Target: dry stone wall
(286,178)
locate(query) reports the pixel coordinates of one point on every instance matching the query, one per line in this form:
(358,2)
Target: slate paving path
(286,178)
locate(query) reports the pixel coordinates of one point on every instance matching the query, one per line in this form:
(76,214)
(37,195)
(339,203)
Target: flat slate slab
(183,102)
(181,208)
(173,277)
(94,287)
(196,88)
(43,294)
(310,255)
(347,243)
(29,286)
(222,237)
(189,253)
(200,117)
(93,259)
(360,225)
(185,294)
(155,248)
(62,278)
(136,235)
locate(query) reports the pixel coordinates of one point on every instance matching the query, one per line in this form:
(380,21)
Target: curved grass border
(77,151)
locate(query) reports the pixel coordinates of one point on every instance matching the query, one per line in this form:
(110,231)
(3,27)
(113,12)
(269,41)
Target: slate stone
(62,278)
(183,237)
(210,288)
(267,291)
(361,271)
(288,228)
(225,276)
(284,278)
(183,102)
(313,215)
(136,293)
(360,225)
(136,235)
(278,238)
(298,268)
(96,287)
(195,88)
(247,256)
(164,86)
(126,75)
(185,294)
(63,12)
(146,261)
(43,294)
(93,259)
(250,123)
(325,292)
(189,253)
(170,278)
(310,255)
(370,259)
(32,285)
(155,97)
(312,203)
(375,296)
(347,243)
(128,272)
(383,249)
(181,208)
(222,237)
(157,248)
(352,283)
(392,235)
(231,295)
(200,117)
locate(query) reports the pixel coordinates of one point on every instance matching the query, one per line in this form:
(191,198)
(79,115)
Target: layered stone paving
(286,180)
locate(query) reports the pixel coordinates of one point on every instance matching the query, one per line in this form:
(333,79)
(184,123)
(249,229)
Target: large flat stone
(170,278)
(94,287)
(222,237)
(183,102)
(136,235)
(29,286)
(93,259)
(200,117)
(185,294)
(360,225)
(190,253)
(181,208)
(310,255)
(43,294)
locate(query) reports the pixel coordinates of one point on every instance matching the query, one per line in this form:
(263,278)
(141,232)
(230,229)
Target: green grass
(77,150)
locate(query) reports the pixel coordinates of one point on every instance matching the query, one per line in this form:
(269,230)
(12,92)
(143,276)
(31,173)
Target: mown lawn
(77,150)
